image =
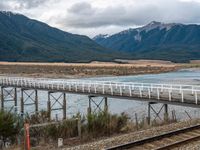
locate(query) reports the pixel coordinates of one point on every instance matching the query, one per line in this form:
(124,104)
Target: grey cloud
(166,11)
(118,15)
(31,3)
(82,8)
(86,16)
(20,4)
(3,5)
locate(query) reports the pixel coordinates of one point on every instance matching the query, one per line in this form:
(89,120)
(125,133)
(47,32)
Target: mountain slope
(24,39)
(175,42)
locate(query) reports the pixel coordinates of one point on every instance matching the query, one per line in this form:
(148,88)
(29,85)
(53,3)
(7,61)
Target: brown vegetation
(69,70)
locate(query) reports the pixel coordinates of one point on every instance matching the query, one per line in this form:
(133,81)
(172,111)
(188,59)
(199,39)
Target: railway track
(165,141)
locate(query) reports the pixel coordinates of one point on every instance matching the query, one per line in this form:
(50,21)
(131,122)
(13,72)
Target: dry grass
(75,70)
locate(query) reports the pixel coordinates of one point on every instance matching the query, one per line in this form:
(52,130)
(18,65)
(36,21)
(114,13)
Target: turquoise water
(187,76)
(79,103)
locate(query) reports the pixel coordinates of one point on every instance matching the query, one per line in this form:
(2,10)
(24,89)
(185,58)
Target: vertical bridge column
(97,105)
(54,99)
(9,94)
(29,98)
(157,113)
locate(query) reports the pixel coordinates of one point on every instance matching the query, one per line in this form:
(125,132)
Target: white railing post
(95,88)
(103,88)
(70,86)
(111,89)
(76,87)
(170,94)
(149,92)
(130,91)
(88,87)
(158,93)
(140,91)
(133,87)
(120,89)
(196,98)
(83,84)
(116,85)
(182,96)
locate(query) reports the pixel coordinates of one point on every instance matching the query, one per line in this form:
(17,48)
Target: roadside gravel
(121,139)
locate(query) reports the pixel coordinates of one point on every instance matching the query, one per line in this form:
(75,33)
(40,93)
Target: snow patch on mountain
(138,37)
(101,36)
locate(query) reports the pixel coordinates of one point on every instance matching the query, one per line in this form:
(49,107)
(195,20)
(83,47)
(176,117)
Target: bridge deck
(187,95)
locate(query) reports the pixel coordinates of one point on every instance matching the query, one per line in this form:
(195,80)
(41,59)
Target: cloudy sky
(92,17)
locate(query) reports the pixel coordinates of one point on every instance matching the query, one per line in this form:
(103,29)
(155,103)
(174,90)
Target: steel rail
(141,142)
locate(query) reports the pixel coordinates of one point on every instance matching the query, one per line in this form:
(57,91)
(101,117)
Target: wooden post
(89,108)
(166,113)
(49,106)
(173,119)
(64,106)
(36,101)
(2,99)
(22,101)
(79,126)
(173,115)
(149,113)
(15,99)
(106,105)
(136,121)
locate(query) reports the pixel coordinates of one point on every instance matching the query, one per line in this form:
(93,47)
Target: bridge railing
(105,87)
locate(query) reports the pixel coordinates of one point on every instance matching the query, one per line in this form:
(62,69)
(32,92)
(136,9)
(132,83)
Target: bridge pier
(151,110)
(55,98)
(29,97)
(9,94)
(97,105)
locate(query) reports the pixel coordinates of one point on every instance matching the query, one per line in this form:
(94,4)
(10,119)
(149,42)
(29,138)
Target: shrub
(9,125)
(102,123)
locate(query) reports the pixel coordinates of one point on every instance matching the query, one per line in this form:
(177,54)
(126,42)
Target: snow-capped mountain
(156,40)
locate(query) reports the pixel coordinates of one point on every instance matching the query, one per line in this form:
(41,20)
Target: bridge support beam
(56,101)
(98,105)
(157,114)
(9,94)
(166,115)
(29,98)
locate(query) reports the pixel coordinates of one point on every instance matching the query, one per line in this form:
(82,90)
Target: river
(79,103)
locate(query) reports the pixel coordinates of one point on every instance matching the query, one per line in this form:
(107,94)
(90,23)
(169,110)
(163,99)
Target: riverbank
(78,70)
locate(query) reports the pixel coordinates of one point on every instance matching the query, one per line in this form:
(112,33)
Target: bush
(9,125)
(102,123)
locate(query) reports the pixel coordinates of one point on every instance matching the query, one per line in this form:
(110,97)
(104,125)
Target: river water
(79,103)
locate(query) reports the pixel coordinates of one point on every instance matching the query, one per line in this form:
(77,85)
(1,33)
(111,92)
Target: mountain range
(156,40)
(24,39)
